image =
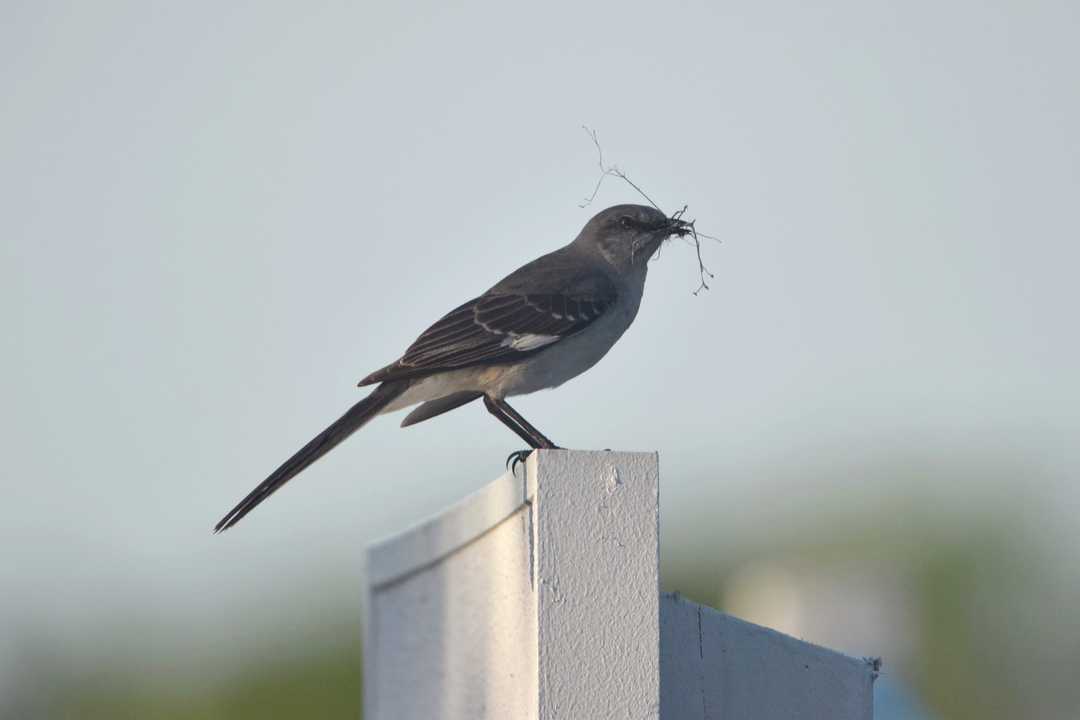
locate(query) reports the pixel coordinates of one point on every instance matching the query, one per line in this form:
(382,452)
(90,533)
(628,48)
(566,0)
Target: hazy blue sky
(217,217)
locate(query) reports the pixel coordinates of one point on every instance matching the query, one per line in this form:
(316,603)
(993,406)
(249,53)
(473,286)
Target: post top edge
(396,556)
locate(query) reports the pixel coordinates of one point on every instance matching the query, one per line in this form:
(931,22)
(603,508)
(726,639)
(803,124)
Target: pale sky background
(217,217)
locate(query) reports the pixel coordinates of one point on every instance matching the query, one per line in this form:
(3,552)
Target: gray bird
(543,324)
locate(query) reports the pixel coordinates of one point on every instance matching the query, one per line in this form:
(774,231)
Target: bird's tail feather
(355,418)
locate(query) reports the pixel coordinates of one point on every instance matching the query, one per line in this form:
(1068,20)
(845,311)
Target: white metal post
(537,598)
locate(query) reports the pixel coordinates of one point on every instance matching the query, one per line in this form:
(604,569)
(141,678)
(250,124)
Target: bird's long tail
(355,418)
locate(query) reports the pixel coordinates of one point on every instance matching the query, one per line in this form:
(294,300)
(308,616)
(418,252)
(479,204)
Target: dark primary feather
(432,408)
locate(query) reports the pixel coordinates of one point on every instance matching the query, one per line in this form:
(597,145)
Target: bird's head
(628,235)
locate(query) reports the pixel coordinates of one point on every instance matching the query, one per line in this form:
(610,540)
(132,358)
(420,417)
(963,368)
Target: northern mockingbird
(543,324)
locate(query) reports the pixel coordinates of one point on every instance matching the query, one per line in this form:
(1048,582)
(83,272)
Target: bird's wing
(500,327)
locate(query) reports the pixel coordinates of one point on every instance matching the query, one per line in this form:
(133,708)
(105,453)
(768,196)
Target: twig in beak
(684,228)
(605,171)
(702,270)
(680,227)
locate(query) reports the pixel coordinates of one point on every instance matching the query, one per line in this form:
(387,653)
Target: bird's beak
(672,226)
(657,235)
(680,227)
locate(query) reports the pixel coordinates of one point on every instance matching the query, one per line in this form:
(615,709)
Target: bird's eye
(625,222)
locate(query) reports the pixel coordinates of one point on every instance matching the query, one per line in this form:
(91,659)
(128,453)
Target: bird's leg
(507,420)
(521,427)
(511,419)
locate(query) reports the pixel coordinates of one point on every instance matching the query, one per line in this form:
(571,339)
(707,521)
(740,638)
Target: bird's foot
(516,458)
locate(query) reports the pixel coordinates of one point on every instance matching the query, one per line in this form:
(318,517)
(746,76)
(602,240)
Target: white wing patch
(527,341)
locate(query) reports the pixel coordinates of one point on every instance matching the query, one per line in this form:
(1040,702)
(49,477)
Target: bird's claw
(516,458)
